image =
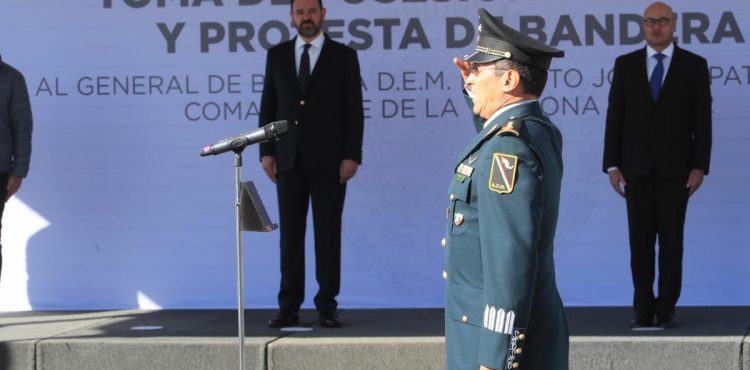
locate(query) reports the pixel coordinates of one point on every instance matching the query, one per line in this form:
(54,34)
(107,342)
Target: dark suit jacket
(670,136)
(15,122)
(326,123)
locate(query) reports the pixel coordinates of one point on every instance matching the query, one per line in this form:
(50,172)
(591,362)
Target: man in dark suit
(313,83)
(15,134)
(657,147)
(503,310)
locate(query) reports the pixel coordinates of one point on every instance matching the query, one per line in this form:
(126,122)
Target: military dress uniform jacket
(503,309)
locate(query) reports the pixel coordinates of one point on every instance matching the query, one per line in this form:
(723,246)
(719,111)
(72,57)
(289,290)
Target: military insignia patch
(465,170)
(458,218)
(498,320)
(503,173)
(511,127)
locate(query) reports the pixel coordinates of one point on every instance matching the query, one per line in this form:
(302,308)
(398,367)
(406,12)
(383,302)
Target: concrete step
(702,338)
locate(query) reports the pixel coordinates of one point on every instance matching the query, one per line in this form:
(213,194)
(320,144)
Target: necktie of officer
(657,76)
(304,68)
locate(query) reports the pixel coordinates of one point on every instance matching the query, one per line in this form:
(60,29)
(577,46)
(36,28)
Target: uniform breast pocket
(460,194)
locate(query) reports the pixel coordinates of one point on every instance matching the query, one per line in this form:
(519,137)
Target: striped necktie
(304,69)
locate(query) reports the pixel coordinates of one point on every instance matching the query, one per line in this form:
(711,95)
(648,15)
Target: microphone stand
(240,260)
(256,217)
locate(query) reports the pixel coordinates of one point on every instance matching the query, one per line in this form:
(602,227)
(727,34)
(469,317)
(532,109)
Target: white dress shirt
(314,51)
(651,61)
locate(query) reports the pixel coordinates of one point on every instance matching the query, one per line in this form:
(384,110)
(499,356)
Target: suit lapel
(323,58)
(291,58)
(491,127)
(641,70)
(479,137)
(674,66)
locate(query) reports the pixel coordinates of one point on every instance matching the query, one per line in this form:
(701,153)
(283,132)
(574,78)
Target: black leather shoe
(283,320)
(329,321)
(665,322)
(644,324)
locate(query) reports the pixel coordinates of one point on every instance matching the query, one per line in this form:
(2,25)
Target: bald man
(657,148)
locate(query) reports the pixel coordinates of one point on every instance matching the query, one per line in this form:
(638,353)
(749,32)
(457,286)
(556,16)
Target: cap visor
(480,57)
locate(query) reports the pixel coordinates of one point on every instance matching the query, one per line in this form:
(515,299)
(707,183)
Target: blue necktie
(657,76)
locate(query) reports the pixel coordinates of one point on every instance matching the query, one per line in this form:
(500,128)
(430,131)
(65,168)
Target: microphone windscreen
(281,128)
(207,150)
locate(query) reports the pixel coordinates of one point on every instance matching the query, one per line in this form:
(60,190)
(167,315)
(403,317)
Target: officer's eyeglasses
(474,69)
(651,22)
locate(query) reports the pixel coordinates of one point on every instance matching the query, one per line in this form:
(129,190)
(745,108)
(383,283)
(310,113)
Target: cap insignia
(495,52)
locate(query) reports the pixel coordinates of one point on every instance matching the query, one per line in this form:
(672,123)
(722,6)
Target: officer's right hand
(463,67)
(617,180)
(269,166)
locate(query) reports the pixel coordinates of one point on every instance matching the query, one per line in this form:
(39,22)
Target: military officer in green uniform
(503,310)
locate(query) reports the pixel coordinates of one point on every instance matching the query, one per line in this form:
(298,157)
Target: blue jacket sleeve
(510,207)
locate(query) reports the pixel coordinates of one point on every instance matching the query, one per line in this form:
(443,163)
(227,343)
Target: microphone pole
(240,258)
(237,144)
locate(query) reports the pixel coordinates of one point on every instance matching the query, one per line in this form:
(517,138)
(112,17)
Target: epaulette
(512,127)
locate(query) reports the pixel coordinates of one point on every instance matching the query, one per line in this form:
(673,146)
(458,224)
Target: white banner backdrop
(119,210)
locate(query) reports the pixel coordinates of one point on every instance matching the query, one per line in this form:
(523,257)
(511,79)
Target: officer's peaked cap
(498,41)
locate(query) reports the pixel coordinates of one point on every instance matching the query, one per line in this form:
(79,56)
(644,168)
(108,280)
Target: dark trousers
(656,211)
(296,188)
(3,193)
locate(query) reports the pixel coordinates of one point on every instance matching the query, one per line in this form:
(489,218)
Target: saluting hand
(463,67)
(617,180)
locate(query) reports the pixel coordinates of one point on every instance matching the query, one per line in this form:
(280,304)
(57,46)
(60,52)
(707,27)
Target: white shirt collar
(316,43)
(650,52)
(505,109)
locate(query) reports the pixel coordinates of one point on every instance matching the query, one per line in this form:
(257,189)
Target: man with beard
(313,83)
(657,147)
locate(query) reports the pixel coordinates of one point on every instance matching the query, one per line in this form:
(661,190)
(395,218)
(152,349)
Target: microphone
(271,131)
